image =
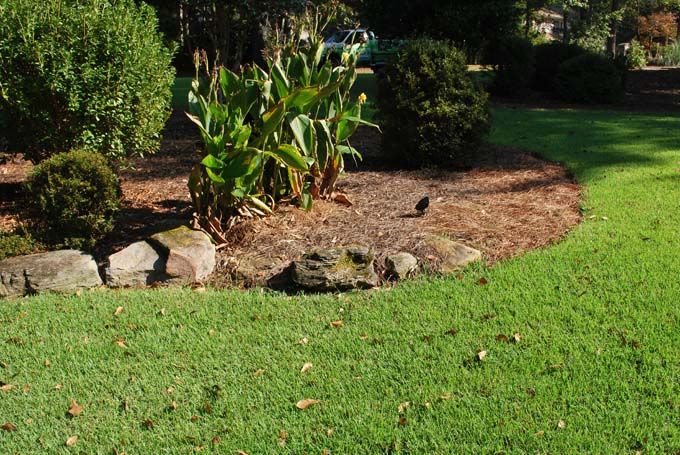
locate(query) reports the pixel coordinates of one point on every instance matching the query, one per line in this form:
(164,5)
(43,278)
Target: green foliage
(637,56)
(269,134)
(548,58)
(471,24)
(590,78)
(88,74)
(514,63)
(76,196)
(670,55)
(17,244)
(432,112)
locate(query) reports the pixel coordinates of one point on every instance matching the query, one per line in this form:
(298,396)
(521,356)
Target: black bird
(422,205)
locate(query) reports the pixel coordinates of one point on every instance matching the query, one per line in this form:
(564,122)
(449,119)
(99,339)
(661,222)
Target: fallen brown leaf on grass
(337,324)
(258,373)
(483,281)
(516,338)
(306,367)
(303,341)
(72,441)
(121,343)
(6,387)
(7,426)
(304,404)
(47,363)
(503,338)
(58,386)
(403,406)
(75,409)
(118,311)
(481,355)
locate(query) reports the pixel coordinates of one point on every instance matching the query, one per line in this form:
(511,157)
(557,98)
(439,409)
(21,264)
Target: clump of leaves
(17,244)
(280,133)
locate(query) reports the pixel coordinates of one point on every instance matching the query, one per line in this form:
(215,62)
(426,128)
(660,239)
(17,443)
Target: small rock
(59,271)
(451,256)
(137,265)
(400,265)
(190,254)
(256,270)
(335,269)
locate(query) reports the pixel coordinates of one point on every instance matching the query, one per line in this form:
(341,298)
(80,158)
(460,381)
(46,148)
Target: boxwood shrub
(88,74)
(432,112)
(514,63)
(548,57)
(590,78)
(75,195)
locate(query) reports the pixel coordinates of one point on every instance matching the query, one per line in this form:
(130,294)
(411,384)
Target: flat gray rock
(137,265)
(400,265)
(335,269)
(190,254)
(58,271)
(450,256)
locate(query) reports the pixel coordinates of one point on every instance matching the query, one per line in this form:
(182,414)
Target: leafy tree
(471,24)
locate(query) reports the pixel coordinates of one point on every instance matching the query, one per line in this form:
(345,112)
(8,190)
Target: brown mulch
(510,203)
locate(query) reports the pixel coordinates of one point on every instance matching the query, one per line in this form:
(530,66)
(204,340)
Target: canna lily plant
(275,134)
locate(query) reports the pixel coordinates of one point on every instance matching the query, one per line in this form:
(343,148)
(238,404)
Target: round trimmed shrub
(513,59)
(590,78)
(76,196)
(86,74)
(432,113)
(548,57)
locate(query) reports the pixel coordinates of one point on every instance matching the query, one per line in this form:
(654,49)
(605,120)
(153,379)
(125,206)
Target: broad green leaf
(324,143)
(347,150)
(347,127)
(280,81)
(212,162)
(238,165)
(291,157)
(303,131)
(229,82)
(306,201)
(272,118)
(214,177)
(242,138)
(302,97)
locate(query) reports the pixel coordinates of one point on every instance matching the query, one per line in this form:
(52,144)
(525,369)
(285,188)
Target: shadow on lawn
(595,140)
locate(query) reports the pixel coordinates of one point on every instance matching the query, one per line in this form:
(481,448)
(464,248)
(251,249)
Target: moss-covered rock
(335,269)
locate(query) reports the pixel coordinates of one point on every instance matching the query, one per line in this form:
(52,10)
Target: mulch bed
(509,202)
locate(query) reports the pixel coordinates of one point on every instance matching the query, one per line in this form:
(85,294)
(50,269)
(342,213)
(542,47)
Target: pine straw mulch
(508,203)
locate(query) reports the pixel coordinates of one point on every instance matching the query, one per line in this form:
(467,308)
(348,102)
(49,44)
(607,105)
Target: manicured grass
(597,368)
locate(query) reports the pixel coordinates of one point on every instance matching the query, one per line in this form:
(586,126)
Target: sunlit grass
(596,370)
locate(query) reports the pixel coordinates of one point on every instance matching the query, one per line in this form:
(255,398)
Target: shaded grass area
(596,369)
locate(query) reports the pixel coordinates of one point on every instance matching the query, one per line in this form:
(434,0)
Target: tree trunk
(613,29)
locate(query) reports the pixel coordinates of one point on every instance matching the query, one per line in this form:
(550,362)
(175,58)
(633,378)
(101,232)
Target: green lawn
(597,369)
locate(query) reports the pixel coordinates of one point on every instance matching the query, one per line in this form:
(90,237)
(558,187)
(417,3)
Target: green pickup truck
(374,52)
